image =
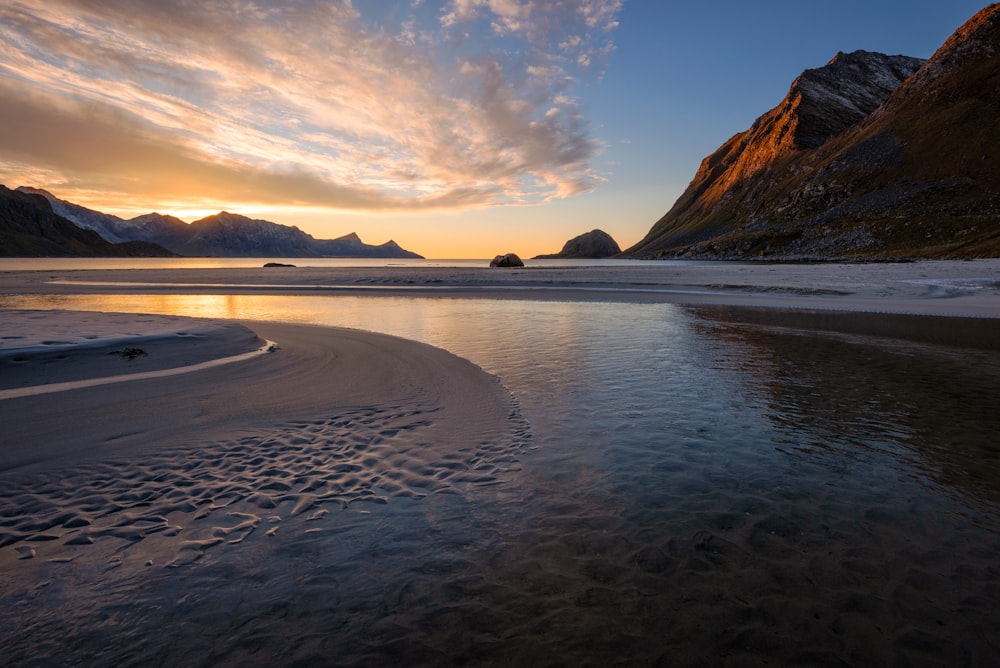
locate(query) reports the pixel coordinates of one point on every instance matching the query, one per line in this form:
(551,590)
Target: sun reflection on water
(696,482)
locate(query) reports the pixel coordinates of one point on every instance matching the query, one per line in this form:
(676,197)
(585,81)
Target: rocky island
(594,244)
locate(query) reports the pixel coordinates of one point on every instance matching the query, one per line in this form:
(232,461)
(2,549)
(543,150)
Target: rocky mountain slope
(871,156)
(30,228)
(221,235)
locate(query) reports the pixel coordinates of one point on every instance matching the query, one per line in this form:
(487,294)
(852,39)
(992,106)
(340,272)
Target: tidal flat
(580,474)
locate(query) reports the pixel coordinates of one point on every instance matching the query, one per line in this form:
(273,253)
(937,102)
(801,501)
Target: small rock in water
(277,264)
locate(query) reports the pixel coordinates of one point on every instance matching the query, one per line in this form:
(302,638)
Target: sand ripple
(217,494)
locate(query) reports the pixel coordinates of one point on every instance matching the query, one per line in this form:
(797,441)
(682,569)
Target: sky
(458,128)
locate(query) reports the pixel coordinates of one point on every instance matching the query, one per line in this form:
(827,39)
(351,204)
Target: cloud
(138,159)
(311,102)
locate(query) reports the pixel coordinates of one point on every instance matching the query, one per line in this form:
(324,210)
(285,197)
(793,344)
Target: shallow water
(68,263)
(697,490)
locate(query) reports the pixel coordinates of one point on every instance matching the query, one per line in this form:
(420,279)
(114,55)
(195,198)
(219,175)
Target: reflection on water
(73,263)
(910,405)
(703,490)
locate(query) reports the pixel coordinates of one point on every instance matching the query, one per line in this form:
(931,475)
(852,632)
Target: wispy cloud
(309,103)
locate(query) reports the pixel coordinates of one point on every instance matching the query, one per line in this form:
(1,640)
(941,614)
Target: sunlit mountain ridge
(29,228)
(870,156)
(220,235)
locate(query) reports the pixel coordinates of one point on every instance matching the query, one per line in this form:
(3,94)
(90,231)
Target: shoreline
(315,372)
(969,289)
(56,347)
(65,386)
(895,301)
(357,481)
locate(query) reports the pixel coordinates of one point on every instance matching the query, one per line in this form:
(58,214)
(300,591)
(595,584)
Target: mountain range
(221,235)
(870,156)
(29,228)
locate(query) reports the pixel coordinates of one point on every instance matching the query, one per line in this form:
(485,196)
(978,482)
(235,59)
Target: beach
(250,450)
(940,287)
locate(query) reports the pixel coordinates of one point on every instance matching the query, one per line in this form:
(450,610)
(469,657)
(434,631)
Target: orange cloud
(302,103)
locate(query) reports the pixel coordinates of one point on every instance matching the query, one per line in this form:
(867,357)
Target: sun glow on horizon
(457,128)
(319,104)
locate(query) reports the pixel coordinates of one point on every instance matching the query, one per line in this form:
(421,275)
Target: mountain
(30,228)
(106,225)
(593,244)
(221,235)
(231,235)
(871,156)
(167,231)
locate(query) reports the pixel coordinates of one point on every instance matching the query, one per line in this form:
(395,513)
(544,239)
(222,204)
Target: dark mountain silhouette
(221,235)
(871,156)
(30,228)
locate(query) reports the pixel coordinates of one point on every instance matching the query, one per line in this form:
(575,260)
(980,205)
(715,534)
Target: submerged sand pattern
(704,488)
(216,494)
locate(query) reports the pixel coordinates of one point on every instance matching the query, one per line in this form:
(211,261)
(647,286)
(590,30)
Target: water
(78,263)
(697,490)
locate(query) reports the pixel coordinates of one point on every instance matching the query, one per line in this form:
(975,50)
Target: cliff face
(870,155)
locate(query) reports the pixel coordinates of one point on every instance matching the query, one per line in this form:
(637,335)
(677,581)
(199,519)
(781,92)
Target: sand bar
(47,351)
(315,372)
(161,468)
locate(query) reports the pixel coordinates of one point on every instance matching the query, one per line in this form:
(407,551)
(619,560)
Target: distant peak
(155,215)
(843,55)
(35,191)
(868,65)
(224,217)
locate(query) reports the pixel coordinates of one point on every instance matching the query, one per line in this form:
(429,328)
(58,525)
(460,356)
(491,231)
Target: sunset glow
(462,127)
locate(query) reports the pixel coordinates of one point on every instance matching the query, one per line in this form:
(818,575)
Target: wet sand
(945,288)
(314,373)
(388,414)
(44,351)
(117,487)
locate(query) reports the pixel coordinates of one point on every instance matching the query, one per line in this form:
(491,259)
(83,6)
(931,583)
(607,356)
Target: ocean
(696,489)
(75,263)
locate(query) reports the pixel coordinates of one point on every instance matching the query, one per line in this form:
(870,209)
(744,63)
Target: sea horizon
(77,263)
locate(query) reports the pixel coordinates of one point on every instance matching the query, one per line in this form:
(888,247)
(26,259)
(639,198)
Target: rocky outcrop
(593,244)
(506,260)
(869,156)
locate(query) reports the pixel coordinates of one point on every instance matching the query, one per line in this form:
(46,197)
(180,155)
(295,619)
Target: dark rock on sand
(507,260)
(277,264)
